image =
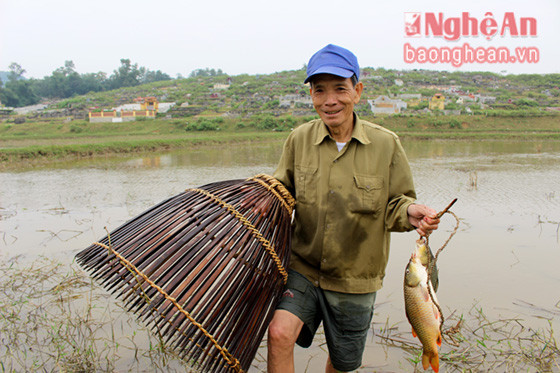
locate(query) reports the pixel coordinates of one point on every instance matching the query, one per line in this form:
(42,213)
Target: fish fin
(414,333)
(434,362)
(425,361)
(438,340)
(430,359)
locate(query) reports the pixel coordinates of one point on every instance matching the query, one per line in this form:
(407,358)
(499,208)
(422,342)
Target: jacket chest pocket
(369,194)
(306,184)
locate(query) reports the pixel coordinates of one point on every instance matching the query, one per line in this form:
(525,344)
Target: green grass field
(55,139)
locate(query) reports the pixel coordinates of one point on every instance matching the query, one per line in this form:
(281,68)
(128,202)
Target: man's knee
(284,329)
(278,336)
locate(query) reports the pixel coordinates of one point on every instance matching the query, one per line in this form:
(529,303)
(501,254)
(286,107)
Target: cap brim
(338,71)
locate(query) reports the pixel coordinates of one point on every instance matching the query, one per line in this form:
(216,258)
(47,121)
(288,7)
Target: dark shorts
(346,319)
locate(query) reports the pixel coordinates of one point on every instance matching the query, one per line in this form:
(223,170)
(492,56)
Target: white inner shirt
(340,145)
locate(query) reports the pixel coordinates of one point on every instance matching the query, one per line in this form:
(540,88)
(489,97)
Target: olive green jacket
(347,202)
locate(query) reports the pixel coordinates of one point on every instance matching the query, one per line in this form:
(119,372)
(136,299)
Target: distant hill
(4,76)
(283,93)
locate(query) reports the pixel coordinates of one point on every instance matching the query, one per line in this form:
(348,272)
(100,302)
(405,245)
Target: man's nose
(330,98)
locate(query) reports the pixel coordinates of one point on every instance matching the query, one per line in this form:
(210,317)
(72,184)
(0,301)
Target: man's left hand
(423,218)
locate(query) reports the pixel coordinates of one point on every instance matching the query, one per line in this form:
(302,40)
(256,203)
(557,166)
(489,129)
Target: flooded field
(500,269)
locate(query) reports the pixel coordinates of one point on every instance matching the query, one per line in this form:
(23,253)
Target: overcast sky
(249,36)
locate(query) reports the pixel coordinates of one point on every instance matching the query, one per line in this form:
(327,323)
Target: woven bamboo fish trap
(204,269)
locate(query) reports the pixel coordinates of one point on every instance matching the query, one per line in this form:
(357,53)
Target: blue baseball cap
(334,60)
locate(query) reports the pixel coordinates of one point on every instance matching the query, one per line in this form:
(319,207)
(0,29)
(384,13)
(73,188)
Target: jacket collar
(358,132)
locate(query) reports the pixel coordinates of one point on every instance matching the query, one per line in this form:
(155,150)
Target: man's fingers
(427,225)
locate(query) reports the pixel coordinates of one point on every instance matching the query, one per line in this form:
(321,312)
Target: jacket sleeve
(285,170)
(401,192)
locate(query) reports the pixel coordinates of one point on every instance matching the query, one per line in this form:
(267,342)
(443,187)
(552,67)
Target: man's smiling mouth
(333,112)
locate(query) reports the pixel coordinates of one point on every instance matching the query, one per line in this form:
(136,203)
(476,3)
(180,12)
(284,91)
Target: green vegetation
(476,343)
(213,107)
(55,319)
(17,92)
(473,127)
(65,82)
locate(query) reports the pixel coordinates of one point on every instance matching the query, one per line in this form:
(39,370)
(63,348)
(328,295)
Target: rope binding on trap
(278,189)
(254,231)
(230,359)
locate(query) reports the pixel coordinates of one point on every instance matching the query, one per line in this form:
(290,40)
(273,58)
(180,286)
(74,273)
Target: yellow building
(143,107)
(147,103)
(437,102)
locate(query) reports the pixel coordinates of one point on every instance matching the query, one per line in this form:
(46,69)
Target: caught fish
(421,311)
(425,254)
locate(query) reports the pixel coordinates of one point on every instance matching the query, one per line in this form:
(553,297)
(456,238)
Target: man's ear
(359,88)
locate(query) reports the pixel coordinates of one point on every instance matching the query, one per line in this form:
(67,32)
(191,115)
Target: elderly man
(353,186)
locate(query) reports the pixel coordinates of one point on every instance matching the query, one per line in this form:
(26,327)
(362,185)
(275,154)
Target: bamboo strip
(205,268)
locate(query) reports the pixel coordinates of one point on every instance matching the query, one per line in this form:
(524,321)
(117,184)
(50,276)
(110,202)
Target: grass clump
(53,318)
(477,343)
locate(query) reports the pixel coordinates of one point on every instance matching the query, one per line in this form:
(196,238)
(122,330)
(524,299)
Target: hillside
(282,94)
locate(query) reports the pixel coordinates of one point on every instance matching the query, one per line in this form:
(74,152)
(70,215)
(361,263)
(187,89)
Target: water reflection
(463,148)
(468,152)
(223,156)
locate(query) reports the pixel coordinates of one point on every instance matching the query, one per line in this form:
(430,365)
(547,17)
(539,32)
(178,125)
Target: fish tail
(430,359)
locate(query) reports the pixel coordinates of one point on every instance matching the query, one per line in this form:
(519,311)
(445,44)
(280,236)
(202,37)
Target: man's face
(334,98)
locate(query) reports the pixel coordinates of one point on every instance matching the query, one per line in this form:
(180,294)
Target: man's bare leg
(329,368)
(283,332)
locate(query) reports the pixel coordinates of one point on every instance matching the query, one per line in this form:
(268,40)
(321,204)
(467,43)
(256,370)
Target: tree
(206,72)
(93,82)
(18,92)
(127,75)
(64,82)
(24,93)
(154,76)
(16,72)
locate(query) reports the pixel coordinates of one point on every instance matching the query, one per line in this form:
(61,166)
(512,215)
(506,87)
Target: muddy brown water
(504,259)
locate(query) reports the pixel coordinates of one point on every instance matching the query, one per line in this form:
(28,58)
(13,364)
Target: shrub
(455,124)
(264,122)
(76,129)
(204,124)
